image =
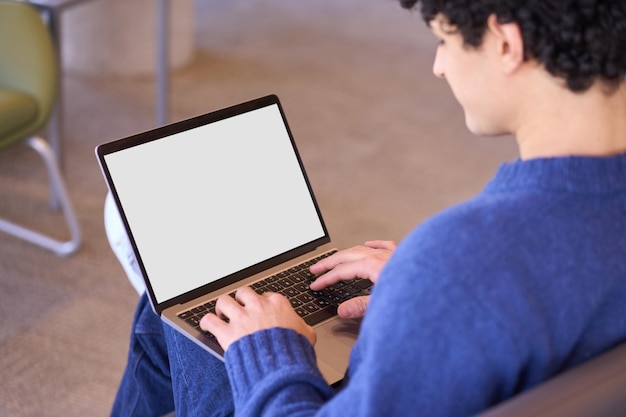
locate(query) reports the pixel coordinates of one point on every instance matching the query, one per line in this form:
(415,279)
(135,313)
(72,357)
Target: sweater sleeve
(424,350)
(274,372)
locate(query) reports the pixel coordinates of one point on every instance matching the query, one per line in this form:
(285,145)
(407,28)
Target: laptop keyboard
(312,306)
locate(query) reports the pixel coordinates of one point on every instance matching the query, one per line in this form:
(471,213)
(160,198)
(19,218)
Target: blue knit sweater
(480,302)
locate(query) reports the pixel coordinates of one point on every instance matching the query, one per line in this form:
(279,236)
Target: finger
(245,295)
(213,324)
(345,256)
(324,265)
(278,299)
(226,306)
(339,273)
(381,244)
(367,267)
(219,328)
(354,308)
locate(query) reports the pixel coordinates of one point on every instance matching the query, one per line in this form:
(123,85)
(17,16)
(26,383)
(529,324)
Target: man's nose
(438,65)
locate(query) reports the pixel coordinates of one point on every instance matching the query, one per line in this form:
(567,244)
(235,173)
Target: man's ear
(509,43)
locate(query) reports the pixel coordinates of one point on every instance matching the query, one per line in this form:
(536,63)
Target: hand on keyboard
(364,261)
(249,312)
(293,283)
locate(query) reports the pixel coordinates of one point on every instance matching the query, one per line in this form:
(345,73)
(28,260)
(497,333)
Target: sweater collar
(572,174)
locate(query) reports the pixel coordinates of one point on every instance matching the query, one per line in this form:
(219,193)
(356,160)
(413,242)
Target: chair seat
(16,110)
(29,78)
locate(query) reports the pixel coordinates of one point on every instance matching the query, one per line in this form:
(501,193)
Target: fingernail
(347,312)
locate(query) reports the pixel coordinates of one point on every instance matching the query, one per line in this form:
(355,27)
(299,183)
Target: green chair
(28,88)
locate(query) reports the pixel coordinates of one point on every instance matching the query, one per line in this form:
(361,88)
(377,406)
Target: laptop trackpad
(335,339)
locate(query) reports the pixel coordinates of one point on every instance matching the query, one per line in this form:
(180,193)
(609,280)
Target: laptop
(221,201)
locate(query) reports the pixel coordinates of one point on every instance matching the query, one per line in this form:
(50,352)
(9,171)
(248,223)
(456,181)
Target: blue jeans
(166,371)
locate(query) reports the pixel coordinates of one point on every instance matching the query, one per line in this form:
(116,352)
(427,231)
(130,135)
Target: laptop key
(322,302)
(285,282)
(301,311)
(193,321)
(274,287)
(341,294)
(311,307)
(261,290)
(295,302)
(305,297)
(351,289)
(338,285)
(198,309)
(290,292)
(363,284)
(320,315)
(185,315)
(299,277)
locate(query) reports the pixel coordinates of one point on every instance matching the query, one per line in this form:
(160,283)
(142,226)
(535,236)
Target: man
(482,301)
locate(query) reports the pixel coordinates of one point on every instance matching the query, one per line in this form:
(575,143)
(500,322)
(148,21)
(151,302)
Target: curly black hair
(579,40)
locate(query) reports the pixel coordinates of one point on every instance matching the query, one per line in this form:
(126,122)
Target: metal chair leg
(62,248)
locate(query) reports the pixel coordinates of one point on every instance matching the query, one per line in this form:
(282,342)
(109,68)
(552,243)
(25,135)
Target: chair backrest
(596,388)
(28,61)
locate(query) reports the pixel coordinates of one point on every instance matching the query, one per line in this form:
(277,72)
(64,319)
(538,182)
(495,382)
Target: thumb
(354,308)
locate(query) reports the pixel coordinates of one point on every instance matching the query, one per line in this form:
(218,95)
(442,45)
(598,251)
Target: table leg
(55,124)
(162,62)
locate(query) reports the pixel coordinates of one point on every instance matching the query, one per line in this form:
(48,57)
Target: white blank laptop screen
(211,201)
